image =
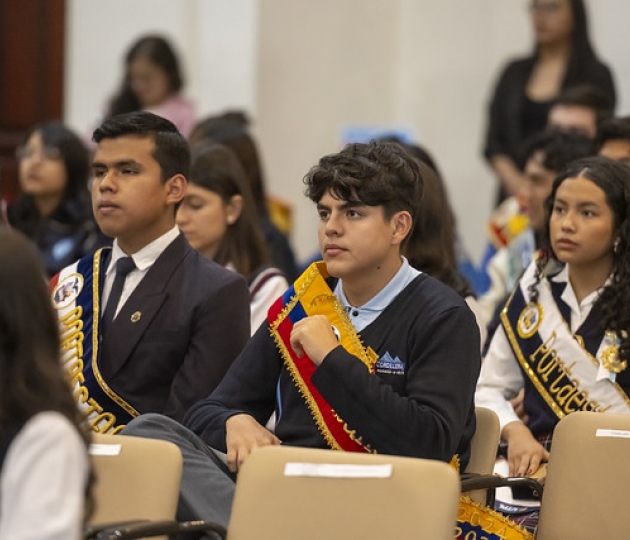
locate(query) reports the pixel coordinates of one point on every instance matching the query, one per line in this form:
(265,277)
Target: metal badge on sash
(610,354)
(529,320)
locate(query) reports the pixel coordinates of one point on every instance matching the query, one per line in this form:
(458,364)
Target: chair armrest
(488,481)
(90,532)
(146,529)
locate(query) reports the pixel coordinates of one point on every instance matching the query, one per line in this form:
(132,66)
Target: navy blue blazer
(194,321)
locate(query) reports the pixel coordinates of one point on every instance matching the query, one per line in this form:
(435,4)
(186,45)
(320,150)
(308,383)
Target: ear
(401,226)
(175,188)
(234,209)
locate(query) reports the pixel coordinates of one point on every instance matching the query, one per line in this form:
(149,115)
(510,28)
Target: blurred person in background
(582,109)
(614,139)
(153,82)
(562,57)
(54,208)
(219,219)
(231,129)
(431,244)
(44,467)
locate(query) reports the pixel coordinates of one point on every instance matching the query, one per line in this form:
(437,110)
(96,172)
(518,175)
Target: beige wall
(307,68)
(215,40)
(322,65)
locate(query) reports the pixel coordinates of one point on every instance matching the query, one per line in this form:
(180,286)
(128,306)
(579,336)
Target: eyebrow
(117,164)
(346,205)
(584,204)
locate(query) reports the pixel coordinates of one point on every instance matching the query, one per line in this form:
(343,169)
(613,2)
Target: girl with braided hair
(564,336)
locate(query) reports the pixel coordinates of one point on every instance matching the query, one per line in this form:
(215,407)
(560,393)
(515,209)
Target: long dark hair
(158,51)
(216,168)
(23,212)
(72,152)
(231,129)
(614,180)
(431,245)
(31,376)
(582,55)
(32,379)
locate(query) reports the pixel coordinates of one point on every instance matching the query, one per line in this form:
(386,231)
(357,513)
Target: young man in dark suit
(150,325)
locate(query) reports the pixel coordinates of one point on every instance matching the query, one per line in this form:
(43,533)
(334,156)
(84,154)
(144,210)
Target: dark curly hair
(614,180)
(375,174)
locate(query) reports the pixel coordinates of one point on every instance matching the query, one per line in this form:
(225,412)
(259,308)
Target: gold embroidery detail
(355,347)
(95,340)
(529,320)
(563,395)
(489,520)
(610,354)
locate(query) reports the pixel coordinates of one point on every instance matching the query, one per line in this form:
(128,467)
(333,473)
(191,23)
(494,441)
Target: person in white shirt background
(45,474)
(589,233)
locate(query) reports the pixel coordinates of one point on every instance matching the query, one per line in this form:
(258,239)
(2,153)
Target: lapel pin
(136,316)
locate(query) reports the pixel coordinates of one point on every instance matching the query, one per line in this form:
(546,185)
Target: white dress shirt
(143,260)
(42,482)
(501,377)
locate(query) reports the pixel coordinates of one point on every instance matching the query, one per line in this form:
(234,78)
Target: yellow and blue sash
(310,295)
(76,293)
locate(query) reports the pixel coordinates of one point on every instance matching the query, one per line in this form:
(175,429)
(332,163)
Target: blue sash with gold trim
(76,293)
(567,376)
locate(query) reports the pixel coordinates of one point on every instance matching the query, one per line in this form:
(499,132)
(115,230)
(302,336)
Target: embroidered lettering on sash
(563,372)
(104,411)
(555,375)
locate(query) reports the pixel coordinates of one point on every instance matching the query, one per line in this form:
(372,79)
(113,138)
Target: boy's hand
(243,434)
(525,453)
(315,337)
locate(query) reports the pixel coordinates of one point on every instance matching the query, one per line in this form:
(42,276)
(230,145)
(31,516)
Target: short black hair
(376,174)
(591,97)
(559,147)
(171,149)
(613,130)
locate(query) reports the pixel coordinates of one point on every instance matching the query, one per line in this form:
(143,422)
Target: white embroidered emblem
(67,291)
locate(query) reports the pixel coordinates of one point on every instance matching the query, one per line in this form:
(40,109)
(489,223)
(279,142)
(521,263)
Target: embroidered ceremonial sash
(555,361)
(311,295)
(478,522)
(76,297)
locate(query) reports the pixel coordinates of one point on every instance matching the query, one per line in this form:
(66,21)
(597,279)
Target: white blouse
(42,481)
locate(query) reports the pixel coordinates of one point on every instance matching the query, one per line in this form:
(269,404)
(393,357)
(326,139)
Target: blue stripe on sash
(542,417)
(93,382)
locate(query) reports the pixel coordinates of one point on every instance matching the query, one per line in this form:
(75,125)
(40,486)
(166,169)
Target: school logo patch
(67,291)
(529,320)
(390,366)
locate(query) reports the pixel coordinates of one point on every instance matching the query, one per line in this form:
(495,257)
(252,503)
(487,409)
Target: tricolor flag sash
(311,295)
(76,297)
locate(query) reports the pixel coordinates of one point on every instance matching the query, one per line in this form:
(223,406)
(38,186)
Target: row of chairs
(339,495)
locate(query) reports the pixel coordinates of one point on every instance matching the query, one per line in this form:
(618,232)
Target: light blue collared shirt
(363,315)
